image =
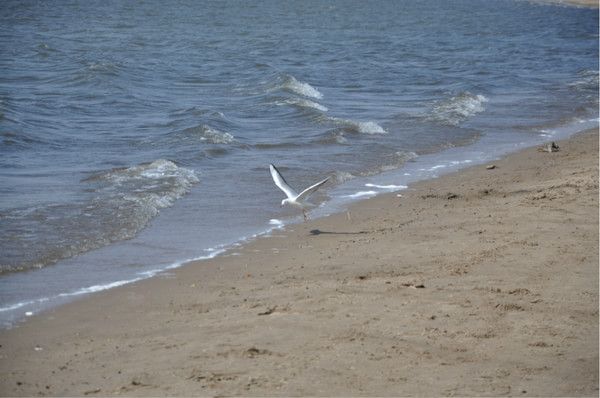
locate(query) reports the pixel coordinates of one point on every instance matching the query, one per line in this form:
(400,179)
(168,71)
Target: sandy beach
(479,283)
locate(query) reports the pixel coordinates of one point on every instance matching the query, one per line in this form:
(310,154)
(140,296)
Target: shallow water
(136,136)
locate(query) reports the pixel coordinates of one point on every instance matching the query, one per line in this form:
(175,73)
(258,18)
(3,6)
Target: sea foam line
(360,194)
(213,252)
(391,186)
(101,287)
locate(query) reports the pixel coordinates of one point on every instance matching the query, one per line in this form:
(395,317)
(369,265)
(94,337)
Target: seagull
(293,198)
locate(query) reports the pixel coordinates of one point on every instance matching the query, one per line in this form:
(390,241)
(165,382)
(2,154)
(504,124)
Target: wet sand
(586,3)
(577,3)
(482,282)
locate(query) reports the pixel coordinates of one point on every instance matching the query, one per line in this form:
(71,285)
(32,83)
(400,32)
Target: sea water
(137,135)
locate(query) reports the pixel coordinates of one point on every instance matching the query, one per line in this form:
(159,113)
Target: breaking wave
(352,126)
(120,203)
(457,109)
(208,134)
(334,136)
(303,103)
(215,136)
(339,134)
(289,83)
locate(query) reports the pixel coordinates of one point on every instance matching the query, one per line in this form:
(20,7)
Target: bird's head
(285,202)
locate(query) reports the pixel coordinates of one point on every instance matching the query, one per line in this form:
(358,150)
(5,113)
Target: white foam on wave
(303,103)
(455,110)
(120,203)
(301,88)
(156,170)
(276,222)
(78,292)
(99,288)
(443,166)
(593,120)
(438,166)
(390,187)
(214,136)
(360,194)
(213,252)
(206,134)
(152,186)
(465,161)
(369,127)
(21,304)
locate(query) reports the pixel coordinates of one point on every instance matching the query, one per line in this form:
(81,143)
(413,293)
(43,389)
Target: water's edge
(420,169)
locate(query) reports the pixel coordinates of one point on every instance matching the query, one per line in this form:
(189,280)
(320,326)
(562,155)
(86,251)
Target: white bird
(293,198)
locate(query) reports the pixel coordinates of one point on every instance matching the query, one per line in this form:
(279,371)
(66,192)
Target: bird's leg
(304,214)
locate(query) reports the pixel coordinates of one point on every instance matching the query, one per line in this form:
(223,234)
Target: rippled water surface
(135,135)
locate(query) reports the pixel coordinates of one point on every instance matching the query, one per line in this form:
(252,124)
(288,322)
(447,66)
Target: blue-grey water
(136,135)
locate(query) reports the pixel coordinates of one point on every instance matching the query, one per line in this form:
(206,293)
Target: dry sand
(483,282)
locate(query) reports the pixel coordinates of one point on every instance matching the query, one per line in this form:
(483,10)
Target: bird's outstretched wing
(280,182)
(309,191)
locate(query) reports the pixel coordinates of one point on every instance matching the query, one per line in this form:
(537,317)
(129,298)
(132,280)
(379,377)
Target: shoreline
(418,294)
(98,251)
(425,167)
(582,3)
(572,3)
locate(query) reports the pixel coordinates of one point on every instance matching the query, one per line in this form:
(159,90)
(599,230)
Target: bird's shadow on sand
(319,232)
